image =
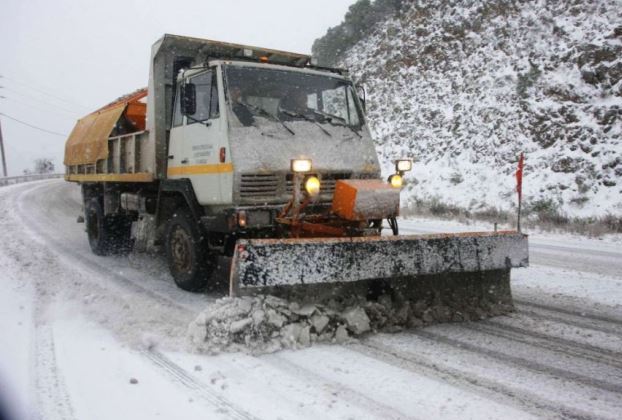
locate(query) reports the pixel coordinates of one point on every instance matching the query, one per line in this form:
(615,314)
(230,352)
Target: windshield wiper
(268,115)
(306,118)
(330,117)
(204,122)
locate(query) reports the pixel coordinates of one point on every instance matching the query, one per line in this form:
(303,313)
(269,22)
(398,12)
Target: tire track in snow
(379,410)
(65,252)
(571,320)
(201,389)
(52,398)
(160,361)
(591,318)
(525,363)
(555,344)
(481,385)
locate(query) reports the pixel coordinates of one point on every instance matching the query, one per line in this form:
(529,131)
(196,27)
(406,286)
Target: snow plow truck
(263,159)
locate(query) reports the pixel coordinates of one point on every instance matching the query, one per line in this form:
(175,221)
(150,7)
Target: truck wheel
(188,258)
(107,234)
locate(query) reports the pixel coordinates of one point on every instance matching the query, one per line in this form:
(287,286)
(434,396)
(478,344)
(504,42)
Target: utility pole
(2,143)
(2,152)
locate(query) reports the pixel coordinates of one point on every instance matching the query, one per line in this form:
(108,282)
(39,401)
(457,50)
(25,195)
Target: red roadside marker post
(519,186)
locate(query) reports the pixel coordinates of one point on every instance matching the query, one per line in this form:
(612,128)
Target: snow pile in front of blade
(265,324)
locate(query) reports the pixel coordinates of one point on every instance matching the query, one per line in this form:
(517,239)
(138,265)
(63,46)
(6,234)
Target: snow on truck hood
(271,147)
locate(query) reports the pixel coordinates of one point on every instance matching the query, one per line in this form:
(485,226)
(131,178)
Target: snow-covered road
(79,329)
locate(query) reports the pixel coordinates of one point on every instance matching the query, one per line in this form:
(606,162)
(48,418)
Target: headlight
(242,218)
(403,165)
(396,181)
(301,165)
(312,185)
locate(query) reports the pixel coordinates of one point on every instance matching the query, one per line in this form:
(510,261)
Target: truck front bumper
(244,218)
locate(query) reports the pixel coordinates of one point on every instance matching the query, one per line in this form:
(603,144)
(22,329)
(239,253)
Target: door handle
(184,160)
(171,156)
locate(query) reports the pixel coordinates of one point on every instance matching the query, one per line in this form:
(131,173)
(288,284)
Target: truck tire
(108,234)
(189,260)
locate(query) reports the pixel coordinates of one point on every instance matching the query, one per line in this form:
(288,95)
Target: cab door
(199,145)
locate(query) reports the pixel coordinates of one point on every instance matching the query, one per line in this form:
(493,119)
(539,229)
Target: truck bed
(129,160)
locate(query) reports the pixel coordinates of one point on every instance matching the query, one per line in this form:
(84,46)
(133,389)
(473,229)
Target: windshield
(289,96)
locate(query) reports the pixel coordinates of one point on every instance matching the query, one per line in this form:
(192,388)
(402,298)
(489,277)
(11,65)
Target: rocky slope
(464,86)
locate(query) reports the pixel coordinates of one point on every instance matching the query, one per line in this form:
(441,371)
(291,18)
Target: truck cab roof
(264,65)
(207,49)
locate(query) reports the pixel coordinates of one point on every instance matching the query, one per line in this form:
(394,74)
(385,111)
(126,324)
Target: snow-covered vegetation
(464,87)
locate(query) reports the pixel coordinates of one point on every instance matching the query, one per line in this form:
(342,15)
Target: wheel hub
(181,250)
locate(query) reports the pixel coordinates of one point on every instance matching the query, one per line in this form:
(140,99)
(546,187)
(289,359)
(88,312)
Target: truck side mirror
(188,99)
(362,97)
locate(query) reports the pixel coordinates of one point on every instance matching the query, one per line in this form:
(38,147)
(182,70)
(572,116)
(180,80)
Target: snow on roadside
(567,285)
(97,313)
(94,365)
(16,324)
(610,242)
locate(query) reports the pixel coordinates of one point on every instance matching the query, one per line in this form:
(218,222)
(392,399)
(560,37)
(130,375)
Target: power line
(34,126)
(29,86)
(2,153)
(59,111)
(39,100)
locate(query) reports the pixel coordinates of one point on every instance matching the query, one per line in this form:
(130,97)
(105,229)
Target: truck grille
(259,185)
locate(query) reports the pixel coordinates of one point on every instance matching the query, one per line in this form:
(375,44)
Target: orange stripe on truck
(214,168)
(136,177)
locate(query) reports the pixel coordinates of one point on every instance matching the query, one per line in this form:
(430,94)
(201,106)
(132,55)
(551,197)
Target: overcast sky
(61,59)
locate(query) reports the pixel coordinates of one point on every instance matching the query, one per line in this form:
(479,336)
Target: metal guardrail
(10,180)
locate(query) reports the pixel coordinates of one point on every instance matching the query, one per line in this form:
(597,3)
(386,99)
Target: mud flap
(330,263)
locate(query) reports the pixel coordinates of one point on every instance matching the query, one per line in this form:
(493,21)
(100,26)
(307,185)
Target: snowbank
(265,324)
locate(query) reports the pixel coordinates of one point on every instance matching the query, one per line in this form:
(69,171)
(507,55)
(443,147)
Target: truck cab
(233,143)
(237,126)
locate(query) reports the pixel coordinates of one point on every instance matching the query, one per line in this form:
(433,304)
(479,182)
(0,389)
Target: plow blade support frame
(260,263)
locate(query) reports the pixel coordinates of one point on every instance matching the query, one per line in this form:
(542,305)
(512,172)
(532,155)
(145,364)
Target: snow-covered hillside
(465,86)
